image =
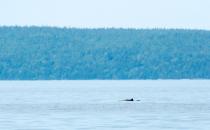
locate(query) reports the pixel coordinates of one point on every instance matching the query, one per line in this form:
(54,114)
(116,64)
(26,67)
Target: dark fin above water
(131,99)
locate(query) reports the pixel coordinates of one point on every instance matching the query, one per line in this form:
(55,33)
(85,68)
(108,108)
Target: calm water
(89,105)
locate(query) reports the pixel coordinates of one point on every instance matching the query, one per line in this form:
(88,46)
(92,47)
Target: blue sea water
(97,105)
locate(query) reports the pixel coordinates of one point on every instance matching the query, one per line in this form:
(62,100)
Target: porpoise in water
(130,100)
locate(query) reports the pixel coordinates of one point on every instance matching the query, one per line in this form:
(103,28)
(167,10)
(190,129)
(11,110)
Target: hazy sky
(107,13)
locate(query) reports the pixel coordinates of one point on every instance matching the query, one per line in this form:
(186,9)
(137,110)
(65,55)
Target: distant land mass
(50,53)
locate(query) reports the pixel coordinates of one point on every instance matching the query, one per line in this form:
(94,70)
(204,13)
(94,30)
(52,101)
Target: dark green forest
(42,53)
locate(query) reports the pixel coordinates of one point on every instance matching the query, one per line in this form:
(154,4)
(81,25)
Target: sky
(188,14)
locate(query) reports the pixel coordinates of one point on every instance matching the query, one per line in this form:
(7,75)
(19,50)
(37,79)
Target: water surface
(89,105)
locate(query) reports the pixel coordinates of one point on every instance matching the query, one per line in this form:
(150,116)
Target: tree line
(33,53)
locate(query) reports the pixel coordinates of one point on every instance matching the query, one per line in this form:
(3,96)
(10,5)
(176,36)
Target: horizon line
(106,27)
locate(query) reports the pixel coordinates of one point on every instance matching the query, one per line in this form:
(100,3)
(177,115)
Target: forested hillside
(60,53)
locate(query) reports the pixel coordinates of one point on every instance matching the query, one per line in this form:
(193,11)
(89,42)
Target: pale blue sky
(194,14)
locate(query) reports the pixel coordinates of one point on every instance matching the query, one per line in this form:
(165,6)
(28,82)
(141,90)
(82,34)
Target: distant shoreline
(33,53)
(101,28)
